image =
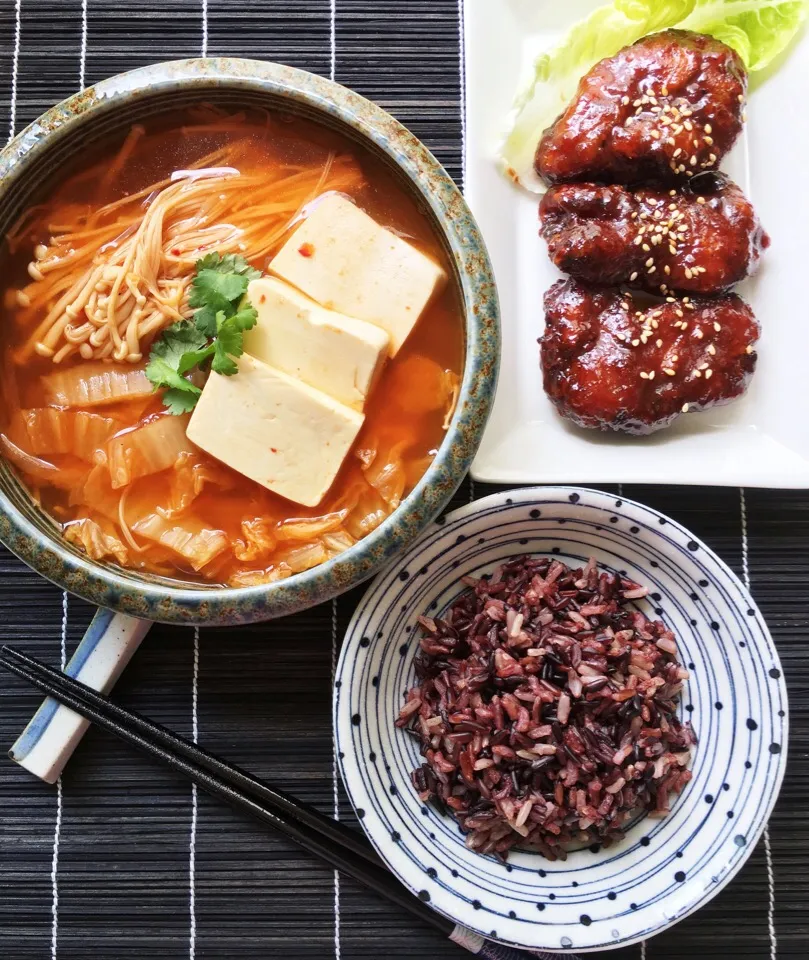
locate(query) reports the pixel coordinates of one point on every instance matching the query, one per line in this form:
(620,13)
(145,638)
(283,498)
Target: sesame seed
(644,338)
(658,343)
(681,169)
(649,262)
(741,98)
(670,300)
(685,408)
(646,248)
(651,374)
(633,275)
(675,358)
(708,128)
(672,193)
(693,160)
(664,90)
(667,269)
(620,336)
(698,334)
(669,371)
(682,227)
(688,125)
(677,152)
(636,103)
(688,273)
(635,343)
(744,116)
(672,206)
(644,375)
(712,157)
(625,101)
(638,240)
(700,199)
(712,349)
(679,313)
(717,326)
(651,270)
(703,366)
(708,374)
(708,140)
(655,134)
(697,373)
(749,349)
(634,214)
(672,249)
(686,299)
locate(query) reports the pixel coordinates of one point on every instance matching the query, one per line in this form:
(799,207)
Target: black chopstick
(273,799)
(333,842)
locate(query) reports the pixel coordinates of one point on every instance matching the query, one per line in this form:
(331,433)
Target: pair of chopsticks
(331,841)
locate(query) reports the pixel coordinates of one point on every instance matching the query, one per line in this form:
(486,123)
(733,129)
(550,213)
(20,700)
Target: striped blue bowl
(735,698)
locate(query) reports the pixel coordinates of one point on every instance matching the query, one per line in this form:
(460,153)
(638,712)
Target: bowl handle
(45,746)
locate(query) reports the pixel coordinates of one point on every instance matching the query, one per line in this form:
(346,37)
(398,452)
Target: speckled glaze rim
(39,544)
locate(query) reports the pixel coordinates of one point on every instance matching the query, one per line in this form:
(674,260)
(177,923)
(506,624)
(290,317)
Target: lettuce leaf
(757,29)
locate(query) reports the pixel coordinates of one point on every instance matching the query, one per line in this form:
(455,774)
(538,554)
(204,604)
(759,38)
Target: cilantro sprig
(216,333)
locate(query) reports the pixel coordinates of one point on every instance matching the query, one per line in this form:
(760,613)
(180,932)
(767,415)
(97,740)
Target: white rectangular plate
(761,439)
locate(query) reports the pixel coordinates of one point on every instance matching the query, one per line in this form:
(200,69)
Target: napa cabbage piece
(255,578)
(55,430)
(95,383)
(337,541)
(189,479)
(259,540)
(759,30)
(97,544)
(305,556)
(65,477)
(148,449)
(386,475)
(310,529)
(193,541)
(368,512)
(419,385)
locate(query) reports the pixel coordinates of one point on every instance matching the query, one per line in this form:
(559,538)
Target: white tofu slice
(275,430)
(340,355)
(342,258)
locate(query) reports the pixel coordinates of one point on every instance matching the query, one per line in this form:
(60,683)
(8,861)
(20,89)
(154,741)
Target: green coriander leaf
(178,339)
(245,319)
(229,263)
(162,374)
(212,287)
(195,358)
(222,314)
(222,363)
(205,320)
(180,401)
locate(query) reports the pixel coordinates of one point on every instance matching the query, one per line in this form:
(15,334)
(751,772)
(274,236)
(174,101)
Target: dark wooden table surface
(121,861)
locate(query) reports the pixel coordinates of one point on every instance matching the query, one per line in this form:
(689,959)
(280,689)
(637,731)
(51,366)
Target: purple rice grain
(546,709)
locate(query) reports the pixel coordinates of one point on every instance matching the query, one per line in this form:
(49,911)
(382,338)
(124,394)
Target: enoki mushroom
(106,284)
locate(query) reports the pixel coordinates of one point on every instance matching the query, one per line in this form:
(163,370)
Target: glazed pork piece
(665,108)
(611,361)
(700,240)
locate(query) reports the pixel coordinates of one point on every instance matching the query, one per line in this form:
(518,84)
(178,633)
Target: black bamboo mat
(120,862)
